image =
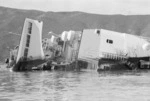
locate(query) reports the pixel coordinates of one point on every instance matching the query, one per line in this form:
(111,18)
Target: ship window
(29,27)
(26,52)
(98,31)
(28,41)
(109,41)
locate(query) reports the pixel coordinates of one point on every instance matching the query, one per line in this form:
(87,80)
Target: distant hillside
(11,21)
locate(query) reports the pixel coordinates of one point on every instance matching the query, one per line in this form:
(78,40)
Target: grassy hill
(11,21)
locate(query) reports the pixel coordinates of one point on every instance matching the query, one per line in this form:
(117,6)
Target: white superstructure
(99,43)
(31,40)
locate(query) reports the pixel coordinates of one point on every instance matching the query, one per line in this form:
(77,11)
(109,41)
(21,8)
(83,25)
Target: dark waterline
(86,85)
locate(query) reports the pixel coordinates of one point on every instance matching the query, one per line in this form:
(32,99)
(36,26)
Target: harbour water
(86,85)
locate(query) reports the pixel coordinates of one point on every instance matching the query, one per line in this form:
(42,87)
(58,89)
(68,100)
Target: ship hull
(29,65)
(132,63)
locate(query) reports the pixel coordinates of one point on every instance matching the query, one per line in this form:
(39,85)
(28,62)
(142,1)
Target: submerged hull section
(132,63)
(23,65)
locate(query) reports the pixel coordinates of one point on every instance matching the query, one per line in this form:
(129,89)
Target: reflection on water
(87,85)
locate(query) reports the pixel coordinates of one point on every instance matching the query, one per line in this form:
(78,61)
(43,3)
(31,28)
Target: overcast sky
(126,7)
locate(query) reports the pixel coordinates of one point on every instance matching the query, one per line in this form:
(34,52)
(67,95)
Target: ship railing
(114,56)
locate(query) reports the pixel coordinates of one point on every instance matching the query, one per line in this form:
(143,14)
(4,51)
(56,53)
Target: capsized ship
(95,48)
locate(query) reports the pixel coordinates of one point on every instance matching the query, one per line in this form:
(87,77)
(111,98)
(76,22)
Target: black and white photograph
(74,50)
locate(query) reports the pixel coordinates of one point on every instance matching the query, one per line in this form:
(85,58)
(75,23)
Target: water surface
(86,85)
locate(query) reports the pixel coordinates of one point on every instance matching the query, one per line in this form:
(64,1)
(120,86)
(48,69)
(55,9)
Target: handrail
(114,56)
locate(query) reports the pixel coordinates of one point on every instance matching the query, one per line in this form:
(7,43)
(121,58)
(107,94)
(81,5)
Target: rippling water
(86,85)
